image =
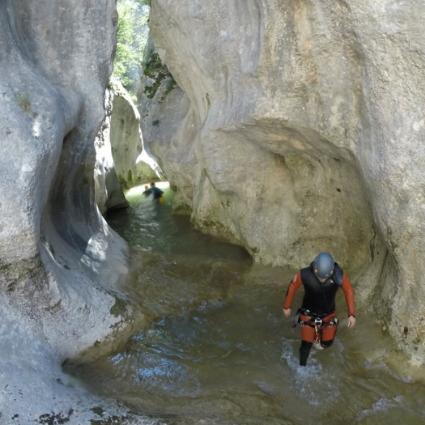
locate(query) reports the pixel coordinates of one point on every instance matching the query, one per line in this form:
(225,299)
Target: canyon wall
(297,126)
(60,263)
(126,140)
(109,192)
(121,160)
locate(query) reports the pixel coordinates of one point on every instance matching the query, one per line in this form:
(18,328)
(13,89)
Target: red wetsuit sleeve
(292,289)
(349,295)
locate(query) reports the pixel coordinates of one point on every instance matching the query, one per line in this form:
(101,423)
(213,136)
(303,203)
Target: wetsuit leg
(327,344)
(304,352)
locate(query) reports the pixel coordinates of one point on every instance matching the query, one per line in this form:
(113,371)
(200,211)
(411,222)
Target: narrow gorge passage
(285,128)
(215,347)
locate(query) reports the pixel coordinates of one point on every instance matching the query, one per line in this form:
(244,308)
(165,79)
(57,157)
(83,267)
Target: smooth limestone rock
(121,160)
(60,263)
(298,127)
(126,140)
(163,106)
(108,190)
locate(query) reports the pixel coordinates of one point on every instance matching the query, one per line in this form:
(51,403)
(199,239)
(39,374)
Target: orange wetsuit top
(319,298)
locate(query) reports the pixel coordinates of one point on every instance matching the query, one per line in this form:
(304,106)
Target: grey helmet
(323,265)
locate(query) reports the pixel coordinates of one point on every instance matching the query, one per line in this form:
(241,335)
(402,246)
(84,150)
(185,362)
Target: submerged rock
(297,127)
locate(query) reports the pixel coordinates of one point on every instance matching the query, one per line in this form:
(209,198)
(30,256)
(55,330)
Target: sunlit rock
(60,263)
(108,190)
(163,106)
(298,127)
(126,139)
(121,160)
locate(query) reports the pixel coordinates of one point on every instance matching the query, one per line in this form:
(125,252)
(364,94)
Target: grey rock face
(121,161)
(163,106)
(108,191)
(126,140)
(298,127)
(60,263)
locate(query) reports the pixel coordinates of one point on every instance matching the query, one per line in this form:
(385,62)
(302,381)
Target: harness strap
(317,322)
(314,327)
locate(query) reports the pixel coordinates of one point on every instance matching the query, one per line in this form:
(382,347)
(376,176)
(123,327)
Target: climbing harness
(315,328)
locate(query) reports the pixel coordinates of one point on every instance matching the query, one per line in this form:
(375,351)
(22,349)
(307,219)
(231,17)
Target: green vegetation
(119,308)
(157,71)
(132,37)
(24,103)
(153,65)
(131,61)
(170,85)
(129,177)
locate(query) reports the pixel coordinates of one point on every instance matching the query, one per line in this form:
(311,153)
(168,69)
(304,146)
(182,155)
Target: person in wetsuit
(156,192)
(147,191)
(321,281)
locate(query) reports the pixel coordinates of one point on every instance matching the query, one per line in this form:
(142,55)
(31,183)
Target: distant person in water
(147,191)
(317,317)
(156,192)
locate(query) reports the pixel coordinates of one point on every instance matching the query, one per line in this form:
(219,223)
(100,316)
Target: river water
(217,350)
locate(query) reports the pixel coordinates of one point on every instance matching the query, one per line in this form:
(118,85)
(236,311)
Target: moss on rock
(158,72)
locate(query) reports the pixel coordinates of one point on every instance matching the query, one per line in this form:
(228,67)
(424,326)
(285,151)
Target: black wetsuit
(318,301)
(157,192)
(319,298)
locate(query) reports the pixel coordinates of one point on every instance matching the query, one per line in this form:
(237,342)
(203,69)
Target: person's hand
(286,312)
(351,322)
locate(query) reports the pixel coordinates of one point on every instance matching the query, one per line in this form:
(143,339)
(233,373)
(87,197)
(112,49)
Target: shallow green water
(218,350)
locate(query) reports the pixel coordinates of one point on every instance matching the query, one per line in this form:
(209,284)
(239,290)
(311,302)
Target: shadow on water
(218,350)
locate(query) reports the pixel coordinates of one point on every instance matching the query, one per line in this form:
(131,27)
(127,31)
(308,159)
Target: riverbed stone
(302,130)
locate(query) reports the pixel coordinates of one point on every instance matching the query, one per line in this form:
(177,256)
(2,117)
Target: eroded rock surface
(108,190)
(60,263)
(298,127)
(121,160)
(163,106)
(126,140)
